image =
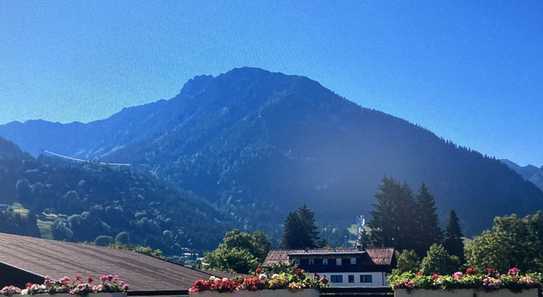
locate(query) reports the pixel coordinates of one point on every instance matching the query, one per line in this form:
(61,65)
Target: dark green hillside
(79,201)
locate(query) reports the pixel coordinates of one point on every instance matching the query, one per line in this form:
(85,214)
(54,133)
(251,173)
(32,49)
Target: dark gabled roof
(56,259)
(326,252)
(378,256)
(276,257)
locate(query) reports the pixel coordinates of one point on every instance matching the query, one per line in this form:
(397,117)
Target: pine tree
(300,230)
(392,223)
(307,217)
(453,241)
(427,221)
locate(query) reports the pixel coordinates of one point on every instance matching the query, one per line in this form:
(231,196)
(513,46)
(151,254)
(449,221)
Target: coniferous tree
(300,230)
(307,217)
(392,223)
(453,241)
(427,221)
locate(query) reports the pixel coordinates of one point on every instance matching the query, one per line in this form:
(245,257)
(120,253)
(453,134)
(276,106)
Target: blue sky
(471,71)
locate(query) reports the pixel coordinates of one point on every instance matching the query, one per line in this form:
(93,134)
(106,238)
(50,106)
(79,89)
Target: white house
(344,268)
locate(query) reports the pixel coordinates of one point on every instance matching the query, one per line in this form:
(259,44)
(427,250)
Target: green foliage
(256,243)
(14,219)
(512,241)
(454,242)
(79,201)
(437,260)
(512,280)
(232,259)
(407,261)
(300,230)
(392,223)
(427,221)
(103,240)
(240,251)
(148,251)
(123,238)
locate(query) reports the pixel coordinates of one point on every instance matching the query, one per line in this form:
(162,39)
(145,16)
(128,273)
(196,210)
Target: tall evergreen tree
(453,241)
(392,223)
(300,230)
(307,217)
(427,221)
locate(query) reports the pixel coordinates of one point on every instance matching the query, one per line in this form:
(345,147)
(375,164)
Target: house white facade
(356,279)
(344,268)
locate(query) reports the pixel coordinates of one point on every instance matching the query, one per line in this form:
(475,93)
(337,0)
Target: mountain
(531,173)
(79,201)
(257,144)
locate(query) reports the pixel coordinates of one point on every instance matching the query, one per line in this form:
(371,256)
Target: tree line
(407,221)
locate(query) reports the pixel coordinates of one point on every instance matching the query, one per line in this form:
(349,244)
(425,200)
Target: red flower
(253,283)
(471,270)
(258,270)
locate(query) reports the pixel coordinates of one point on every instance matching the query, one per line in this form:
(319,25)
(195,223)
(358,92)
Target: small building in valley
(344,268)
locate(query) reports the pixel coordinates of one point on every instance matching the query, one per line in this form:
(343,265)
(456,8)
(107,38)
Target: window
(345,261)
(351,278)
(353,261)
(317,261)
(366,278)
(304,262)
(336,278)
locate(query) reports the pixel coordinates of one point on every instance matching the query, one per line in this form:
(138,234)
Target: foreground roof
(41,257)
(378,256)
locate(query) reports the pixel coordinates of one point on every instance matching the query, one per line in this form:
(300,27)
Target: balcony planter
(86,295)
(533,292)
(260,293)
(468,284)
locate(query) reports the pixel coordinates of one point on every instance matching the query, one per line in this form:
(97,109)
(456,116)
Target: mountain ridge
(258,143)
(530,173)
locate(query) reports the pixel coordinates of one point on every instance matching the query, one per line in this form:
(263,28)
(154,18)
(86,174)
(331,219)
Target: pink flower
(457,275)
(65,280)
(513,271)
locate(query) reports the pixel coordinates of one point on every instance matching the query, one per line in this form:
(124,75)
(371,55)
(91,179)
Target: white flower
(213,278)
(24,292)
(262,277)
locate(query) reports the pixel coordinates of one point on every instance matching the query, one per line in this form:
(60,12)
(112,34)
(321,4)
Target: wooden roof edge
(23,270)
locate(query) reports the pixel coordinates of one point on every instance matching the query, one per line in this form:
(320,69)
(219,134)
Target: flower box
(87,295)
(534,292)
(261,293)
